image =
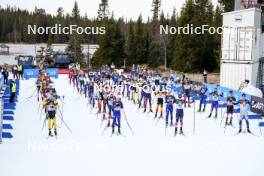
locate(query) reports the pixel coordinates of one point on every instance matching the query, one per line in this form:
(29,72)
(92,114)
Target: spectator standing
(20,71)
(5,75)
(14,71)
(12,91)
(205,73)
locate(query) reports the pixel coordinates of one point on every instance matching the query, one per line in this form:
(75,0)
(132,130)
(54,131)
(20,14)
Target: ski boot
(240,130)
(166,124)
(175,132)
(50,134)
(189,105)
(113,130)
(150,110)
(119,131)
(248,130)
(144,110)
(108,123)
(231,122)
(203,109)
(55,132)
(210,115)
(155,115)
(199,110)
(181,132)
(171,123)
(215,116)
(226,122)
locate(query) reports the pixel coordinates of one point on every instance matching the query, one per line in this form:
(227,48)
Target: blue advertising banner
(30,73)
(52,72)
(225,91)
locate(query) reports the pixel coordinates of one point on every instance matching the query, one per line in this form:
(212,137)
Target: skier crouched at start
(179,113)
(243,112)
(117,107)
(52,106)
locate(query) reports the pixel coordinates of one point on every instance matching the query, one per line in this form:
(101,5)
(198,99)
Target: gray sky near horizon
(122,8)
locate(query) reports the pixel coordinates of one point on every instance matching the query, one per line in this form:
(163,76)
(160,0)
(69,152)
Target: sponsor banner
(63,71)
(225,91)
(30,73)
(52,72)
(257,105)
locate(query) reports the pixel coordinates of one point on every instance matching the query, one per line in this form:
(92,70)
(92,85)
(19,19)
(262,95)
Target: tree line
(128,42)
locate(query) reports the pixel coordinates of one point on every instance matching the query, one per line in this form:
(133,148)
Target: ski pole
(222,116)
(32,95)
(64,122)
(260,128)
(44,123)
(62,107)
(194,117)
(40,113)
(128,123)
(77,98)
(28,98)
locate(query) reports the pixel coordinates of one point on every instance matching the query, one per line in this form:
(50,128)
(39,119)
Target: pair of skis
(250,133)
(128,124)
(175,133)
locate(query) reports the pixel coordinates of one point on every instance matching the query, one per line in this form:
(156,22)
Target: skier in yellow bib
(52,106)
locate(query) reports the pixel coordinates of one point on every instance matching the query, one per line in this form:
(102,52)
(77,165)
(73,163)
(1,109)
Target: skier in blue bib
(117,107)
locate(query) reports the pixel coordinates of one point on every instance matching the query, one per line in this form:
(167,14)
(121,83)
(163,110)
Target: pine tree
(111,45)
(74,45)
(49,49)
(60,38)
(218,21)
(227,4)
(156,4)
(131,45)
(185,46)
(103,12)
(172,39)
(141,53)
(155,54)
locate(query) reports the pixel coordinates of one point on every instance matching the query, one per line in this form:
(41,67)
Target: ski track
(148,152)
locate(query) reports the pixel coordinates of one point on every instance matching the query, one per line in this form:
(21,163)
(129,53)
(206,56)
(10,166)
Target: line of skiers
(142,87)
(48,101)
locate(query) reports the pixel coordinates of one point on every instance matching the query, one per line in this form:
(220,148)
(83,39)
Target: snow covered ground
(148,152)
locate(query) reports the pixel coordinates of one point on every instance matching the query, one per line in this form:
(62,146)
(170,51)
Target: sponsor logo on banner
(30,73)
(52,72)
(257,105)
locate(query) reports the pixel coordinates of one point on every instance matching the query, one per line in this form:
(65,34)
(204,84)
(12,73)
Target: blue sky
(126,8)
